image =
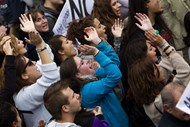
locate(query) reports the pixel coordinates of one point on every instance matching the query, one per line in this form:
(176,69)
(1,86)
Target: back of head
(8,114)
(54,99)
(170,91)
(55,44)
(135,50)
(102,10)
(144,85)
(76,29)
(187,28)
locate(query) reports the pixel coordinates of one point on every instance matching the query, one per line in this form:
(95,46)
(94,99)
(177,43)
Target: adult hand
(3,31)
(97,111)
(27,25)
(36,39)
(144,21)
(92,35)
(155,39)
(7,48)
(117,28)
(88,50)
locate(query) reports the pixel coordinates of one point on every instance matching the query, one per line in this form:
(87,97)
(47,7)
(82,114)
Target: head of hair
(20,69)
(169,91)
(68,70)
(76,29)
(34,13)
(102,10)
(14,44)
(54,99)
(8,114)
(140,7)
(135,50)
(187,28)
(144,85)
(55,44)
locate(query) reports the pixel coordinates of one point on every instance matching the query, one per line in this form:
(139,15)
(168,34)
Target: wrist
(41,49)
(97,41)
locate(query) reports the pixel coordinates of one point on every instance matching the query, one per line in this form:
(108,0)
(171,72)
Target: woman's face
(116,7)
(41,23)
(20,46)
(154,6)
(68,47)
(151,52)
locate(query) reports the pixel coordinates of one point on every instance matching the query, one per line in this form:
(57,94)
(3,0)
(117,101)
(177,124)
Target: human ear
(167,108)
(65,108)
(24,76)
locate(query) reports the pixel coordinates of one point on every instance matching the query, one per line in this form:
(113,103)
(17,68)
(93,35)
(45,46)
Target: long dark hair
(144,84)
(139,6)
(8,114)
(187,28)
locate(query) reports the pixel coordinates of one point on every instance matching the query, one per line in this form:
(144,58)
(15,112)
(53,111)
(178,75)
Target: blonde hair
(14,44)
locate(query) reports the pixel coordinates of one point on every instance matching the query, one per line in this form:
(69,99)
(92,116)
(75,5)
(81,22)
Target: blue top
(100,92)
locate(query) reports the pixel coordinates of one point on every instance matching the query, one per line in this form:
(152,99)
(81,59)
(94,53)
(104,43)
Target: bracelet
(169,52)
(40,50)
(163,44)
(166,48)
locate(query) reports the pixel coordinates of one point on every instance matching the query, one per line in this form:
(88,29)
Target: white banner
(73,9)
(184,102)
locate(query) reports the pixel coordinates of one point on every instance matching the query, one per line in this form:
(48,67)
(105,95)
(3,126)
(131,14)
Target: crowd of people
(124,65)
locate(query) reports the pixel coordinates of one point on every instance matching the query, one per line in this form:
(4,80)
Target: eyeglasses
(29,63)
(81,63)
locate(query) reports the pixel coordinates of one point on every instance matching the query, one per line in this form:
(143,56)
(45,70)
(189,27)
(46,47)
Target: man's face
(74,100)
(178,113)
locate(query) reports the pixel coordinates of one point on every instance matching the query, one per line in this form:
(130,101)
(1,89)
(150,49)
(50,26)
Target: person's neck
(152,18)
(50,5)
(67,118)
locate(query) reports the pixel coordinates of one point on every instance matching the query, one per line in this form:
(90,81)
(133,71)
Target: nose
(103,26)
(119,4)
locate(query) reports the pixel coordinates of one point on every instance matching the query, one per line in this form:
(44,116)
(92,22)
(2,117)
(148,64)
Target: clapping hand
(117,28)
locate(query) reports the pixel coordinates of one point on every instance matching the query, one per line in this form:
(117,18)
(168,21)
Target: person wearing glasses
(97,91)
(33,80)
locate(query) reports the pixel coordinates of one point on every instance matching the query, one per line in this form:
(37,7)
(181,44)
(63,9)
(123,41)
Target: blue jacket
(100,92)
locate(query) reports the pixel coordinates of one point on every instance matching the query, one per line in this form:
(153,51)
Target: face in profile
(154,6)
(151,52)
(17,45)
(74,100)
(85,67)
(100,28)
(68,47)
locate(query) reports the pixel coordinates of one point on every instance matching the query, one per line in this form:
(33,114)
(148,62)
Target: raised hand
(27,25)
(117,28)
(92,35)
(88,50)
(144,21)
(155,39)
(8,50)
(3,31)
(35,39)
(97,111)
